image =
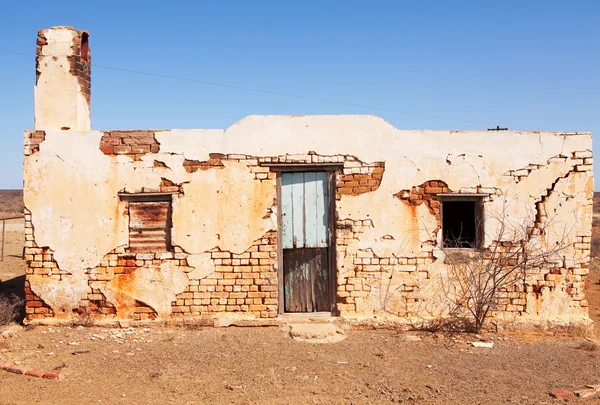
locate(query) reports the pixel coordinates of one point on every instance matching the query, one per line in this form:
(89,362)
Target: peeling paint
(224,220)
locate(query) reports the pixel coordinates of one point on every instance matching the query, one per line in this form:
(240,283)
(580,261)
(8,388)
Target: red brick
(15,370)
(35,373)
(107,149)
(562,394)
(122,149)
(52,375)
(110,141)
(140,149)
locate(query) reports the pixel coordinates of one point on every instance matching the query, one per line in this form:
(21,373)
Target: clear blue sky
(523,64)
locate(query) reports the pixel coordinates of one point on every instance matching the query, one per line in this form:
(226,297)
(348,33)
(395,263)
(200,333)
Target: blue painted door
(305,241)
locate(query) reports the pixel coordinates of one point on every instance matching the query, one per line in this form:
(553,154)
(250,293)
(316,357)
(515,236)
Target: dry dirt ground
(11,203)
(264,366)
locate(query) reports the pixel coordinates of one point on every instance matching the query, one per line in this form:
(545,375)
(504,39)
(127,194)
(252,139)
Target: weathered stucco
(72,192)
(60,100)
(223,254)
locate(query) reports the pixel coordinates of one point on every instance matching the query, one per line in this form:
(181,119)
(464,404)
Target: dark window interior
(459,224)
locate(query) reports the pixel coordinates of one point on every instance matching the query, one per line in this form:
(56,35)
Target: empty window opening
(149,223)
(461,223)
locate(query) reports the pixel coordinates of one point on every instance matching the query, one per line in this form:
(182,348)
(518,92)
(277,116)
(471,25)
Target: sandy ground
(265,366)
(12,269)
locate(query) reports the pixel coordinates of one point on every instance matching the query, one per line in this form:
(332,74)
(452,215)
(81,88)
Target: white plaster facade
(388,260)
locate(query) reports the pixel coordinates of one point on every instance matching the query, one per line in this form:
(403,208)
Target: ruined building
(274,215)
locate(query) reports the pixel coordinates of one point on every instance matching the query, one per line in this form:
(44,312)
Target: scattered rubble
(50,375)
(588,392)
(488,345)
(316,333)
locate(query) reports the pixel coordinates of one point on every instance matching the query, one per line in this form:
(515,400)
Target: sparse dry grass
(10,308)
(11,203)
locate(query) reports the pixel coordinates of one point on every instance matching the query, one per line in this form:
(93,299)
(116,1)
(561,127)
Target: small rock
(593,386)
(562,394)
(73,344)
(487,345)
(223,322)
(76,352)
(10,331)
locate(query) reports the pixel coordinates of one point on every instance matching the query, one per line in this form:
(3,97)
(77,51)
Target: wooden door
(305,241)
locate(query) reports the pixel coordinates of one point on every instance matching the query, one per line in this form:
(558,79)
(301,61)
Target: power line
(274,93)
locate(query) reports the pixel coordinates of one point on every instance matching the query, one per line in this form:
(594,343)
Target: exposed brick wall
(129,143)
(35,308)
(39,261)
(372,274)
(425,194)
(80,63)
(41,42)
(245,282)
(359,177)
(79,60)
(214,161)
(33,139)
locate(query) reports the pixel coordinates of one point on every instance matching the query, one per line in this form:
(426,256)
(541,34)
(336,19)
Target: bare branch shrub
(84,317)
(480,277)
(10,308)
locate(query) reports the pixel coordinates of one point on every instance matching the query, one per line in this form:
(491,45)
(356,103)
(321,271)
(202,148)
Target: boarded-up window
(150,223)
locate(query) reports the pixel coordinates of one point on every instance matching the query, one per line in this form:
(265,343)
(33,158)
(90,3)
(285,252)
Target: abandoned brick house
(285,214)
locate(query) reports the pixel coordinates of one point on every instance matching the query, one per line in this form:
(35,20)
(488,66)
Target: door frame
(331,170)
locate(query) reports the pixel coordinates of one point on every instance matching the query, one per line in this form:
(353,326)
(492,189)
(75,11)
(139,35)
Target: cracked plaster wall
(60,100)
(71,190)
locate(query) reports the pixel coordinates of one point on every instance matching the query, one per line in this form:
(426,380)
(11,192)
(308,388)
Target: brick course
(247,282)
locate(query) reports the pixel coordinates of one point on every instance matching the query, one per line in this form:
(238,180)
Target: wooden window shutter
(150,224)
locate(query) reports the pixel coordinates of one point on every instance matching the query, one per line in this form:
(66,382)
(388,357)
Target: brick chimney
(62,85)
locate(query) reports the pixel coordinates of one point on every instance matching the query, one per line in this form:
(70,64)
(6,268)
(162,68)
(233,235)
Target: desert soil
(265,366)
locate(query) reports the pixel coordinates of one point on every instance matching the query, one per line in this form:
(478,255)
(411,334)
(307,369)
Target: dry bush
(480,277)
(453,324)
(10,308)
(85,318)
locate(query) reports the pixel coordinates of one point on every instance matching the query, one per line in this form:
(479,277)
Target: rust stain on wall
(425,194)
